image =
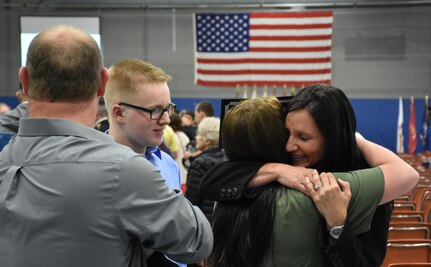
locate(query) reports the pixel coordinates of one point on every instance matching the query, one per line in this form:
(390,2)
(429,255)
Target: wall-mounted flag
(263,48)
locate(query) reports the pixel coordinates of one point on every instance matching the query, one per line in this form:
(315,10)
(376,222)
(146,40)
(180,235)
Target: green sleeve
(367,188)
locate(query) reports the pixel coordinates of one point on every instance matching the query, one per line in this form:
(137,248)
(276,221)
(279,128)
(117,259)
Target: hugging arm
(400,177)
(228,180)
(245,179)
(369,248)
(364,250)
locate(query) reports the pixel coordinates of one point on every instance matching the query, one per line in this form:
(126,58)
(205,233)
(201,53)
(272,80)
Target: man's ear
(104,77)
(23,77)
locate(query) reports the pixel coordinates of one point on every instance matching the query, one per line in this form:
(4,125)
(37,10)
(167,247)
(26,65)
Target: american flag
(263,49)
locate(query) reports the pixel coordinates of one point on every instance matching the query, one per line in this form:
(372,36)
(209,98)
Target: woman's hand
(294,177)
(330,196)
(287,175)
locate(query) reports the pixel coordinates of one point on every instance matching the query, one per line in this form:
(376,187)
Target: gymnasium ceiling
(163,4)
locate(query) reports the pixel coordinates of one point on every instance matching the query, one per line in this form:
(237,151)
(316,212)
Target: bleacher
(409,238)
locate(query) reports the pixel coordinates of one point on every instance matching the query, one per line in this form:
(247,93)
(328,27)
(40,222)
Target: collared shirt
(168,169)
(71,196)
(167,166)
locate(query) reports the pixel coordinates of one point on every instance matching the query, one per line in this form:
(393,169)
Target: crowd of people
(100,169)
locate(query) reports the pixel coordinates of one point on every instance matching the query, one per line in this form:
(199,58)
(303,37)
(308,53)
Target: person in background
(187,123)
(182,139)
(69,194)
(139,107)
(189,128)
(280,226)
(326,143)
(20,94)
(171,142)
(203,110)
(9,121)
(4,108)
(102,122)
(207,141)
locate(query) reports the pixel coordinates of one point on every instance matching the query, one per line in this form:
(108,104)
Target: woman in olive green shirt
(280,227)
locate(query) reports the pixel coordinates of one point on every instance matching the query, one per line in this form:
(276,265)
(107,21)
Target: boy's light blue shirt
(168,169)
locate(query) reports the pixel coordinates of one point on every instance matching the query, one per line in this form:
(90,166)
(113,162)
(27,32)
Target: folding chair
(418,192)
(403,198)
(405,231)
(412,224)
(407,251)
(405,205)
(407,216)
(412,264)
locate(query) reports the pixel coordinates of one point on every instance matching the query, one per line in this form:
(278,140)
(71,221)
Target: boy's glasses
(156,113)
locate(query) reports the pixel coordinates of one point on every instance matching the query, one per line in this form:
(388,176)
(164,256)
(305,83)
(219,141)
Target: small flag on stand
(400,135)
(425,136)
(412,128)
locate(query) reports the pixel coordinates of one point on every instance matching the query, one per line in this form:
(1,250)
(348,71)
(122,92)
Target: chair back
(409,232)
(412,264)
(407,216)
(407,251)
(426,206)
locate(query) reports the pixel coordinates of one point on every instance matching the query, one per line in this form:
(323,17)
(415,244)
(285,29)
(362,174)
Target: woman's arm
(285,174)
(330,196)
(230,176)
(245,178)
(399,176)
(364,250)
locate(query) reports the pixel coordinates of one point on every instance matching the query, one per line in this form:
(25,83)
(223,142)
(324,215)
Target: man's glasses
(155,114)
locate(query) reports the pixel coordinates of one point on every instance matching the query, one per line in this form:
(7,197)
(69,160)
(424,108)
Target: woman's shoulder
(364,178)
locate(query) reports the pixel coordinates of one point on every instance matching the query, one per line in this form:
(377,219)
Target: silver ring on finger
(317,186)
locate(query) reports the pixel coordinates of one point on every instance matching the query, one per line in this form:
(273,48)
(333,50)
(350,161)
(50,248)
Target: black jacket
(199,166)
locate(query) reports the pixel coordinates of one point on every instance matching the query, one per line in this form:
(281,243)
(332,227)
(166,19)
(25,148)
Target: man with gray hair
(71,196)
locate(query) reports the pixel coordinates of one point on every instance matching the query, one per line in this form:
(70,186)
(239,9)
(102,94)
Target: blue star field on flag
(222,33)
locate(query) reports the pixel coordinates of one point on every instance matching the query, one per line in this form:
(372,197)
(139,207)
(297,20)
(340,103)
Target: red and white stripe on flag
(273,49)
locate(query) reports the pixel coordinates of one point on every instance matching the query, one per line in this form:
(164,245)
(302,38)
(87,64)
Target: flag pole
(265,90)
(245,94)
(237,91)
(254,93)
(293,90)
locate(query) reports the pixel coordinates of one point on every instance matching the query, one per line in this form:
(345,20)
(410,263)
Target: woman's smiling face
(306,143)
